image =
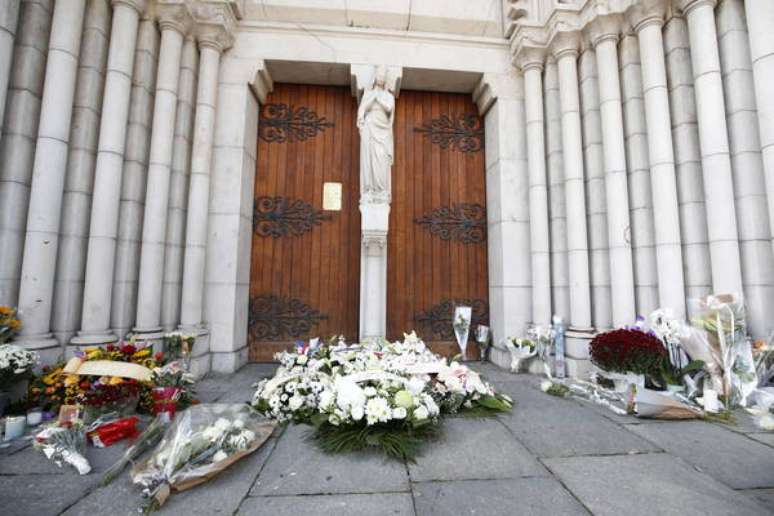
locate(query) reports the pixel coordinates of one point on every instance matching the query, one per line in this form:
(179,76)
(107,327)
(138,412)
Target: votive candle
(14,427)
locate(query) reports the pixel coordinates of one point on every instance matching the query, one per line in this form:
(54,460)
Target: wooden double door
(305,270)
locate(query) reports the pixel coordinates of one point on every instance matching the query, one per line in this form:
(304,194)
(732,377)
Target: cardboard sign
(107,368)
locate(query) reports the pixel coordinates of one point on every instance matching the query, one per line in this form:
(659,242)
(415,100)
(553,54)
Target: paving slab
(647,485)
(734,459)
(558,427)
(30,461)
(42,495)
(298,467)
(381,504)
(474,449)
(523,496)
(762,496)
(220,495)
(765,438)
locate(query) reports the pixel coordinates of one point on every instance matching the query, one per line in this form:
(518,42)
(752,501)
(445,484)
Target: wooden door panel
(437,249)
(305,269)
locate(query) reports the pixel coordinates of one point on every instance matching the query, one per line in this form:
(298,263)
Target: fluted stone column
(211,45)
(697,269)
(107,176)
(560,290)
(760,20)
(604,37)
(640,197)
(647,23)
(713,140)
(178,188)
(500,99)
(154,230)
(138,135)
(596,203)
(36,290)
(20,131)
(565,49)
(9,21)
(531,63)
(749,180)
(79,180)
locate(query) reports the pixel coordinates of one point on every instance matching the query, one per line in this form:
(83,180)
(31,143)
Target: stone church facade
(585,158)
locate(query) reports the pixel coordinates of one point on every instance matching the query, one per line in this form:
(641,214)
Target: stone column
(20,130)
(36,290)
(531,63)
(640,197)
(749,178)
(760,20)
(596,203)
(211,45)
(9,20)
(101,253)
(178,188)
(713,139)
(173,25)
(604,37)
(500,99)
(138,134)
(560,290)
(647,22)
(690,185)
(565,48)
(74,229)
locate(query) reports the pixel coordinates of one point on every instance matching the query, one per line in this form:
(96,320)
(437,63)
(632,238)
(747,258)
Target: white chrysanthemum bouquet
(15,363)
(388,395)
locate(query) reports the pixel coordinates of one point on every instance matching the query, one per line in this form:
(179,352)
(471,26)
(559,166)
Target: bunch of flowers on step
(64,443)
(389,395)
(15,363)
(203,441)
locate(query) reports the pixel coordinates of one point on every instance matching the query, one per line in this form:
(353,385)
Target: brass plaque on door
(332,196)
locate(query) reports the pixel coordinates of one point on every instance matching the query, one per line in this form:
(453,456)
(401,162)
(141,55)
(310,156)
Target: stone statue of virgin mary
(374,119)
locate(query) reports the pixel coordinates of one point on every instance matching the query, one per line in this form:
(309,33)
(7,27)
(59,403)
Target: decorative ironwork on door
(438,318)
(276,318)
(465,222)
(461,132)
(279,216)
(287,123)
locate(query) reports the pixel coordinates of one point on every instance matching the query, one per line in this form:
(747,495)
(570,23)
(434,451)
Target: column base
(152,336)
(229,361)
(578,368)
(88,340)
(45,345)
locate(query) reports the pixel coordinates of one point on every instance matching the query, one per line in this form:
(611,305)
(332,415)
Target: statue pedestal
(375,218)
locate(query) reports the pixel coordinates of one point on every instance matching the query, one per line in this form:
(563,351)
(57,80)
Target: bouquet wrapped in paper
(64,443)
(203,441)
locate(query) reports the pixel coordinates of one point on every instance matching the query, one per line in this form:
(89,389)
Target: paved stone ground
(550,456)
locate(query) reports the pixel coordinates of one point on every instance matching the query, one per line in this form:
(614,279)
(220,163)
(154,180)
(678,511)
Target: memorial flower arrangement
(16,363)
(64,443)
(388,395)
(628,351)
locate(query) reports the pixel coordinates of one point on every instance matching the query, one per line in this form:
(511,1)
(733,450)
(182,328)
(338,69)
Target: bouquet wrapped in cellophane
(201,442)
(65,443)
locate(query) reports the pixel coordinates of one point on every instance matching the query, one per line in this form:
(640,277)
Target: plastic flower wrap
(65,443)
(203,441)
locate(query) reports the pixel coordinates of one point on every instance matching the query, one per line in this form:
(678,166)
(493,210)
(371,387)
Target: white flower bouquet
(15,363)
(203,441)
(64,444)
(388,395)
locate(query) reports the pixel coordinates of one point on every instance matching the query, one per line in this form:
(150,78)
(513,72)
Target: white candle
(14,427)
(34,417)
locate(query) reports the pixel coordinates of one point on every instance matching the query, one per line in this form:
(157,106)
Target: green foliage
(559,390)
(398,441)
